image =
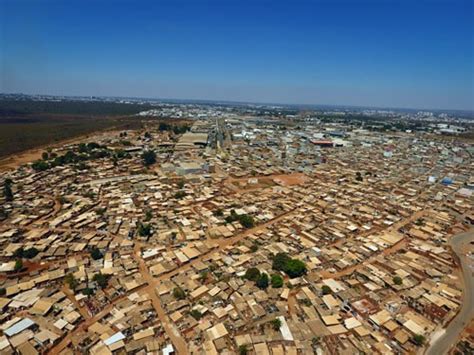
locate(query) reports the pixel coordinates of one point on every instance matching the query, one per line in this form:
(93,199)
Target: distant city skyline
(386,54)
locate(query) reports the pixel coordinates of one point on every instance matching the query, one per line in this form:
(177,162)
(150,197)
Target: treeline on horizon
(10,108)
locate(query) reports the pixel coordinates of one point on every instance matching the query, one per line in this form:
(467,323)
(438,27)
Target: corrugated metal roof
(19,327)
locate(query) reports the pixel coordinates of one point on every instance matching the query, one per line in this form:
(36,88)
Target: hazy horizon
(385,54)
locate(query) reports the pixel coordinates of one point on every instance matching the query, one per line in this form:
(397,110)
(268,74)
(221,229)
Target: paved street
(460,244)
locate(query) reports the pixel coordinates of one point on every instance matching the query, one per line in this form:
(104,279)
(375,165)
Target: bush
(252,274)
(3,291)
(277,281)
(262,281)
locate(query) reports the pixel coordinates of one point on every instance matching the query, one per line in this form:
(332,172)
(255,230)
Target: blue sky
(405,53)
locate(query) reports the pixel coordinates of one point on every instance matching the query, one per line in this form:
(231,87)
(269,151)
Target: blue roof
(19,327)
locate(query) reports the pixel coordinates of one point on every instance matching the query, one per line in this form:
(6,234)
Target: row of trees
(262,280)
(86,152)
(102,281)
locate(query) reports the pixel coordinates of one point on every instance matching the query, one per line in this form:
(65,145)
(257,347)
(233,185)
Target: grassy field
(27,124)
(18,134)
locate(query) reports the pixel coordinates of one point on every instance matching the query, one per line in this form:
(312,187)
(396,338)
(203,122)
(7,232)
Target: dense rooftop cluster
(234,235)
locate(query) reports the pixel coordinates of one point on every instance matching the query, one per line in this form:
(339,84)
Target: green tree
(243,349)
(196,314)
(277,281)
(276,324)
(144,230)
(96,254)
(179,293)
(7,190)
(45,155)
(148,215)
(179,195)
(30,253)
(252,274)
(149,157)
(88,291)
(292,267)
(218,213)
(246,221)
(397,280)
(101,279)
(295,268)
(262,281)
(3,291)
(326,290)
(71,281)
(18,265)
(40,165)
(279,261)
(419,339)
